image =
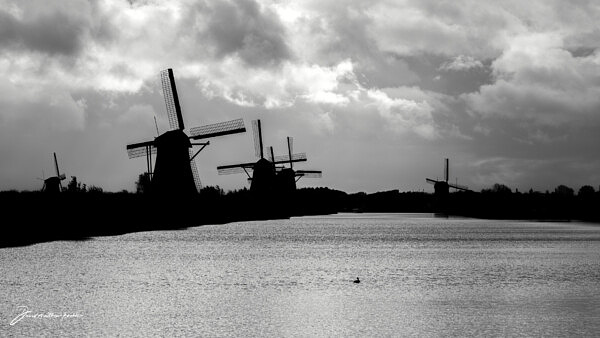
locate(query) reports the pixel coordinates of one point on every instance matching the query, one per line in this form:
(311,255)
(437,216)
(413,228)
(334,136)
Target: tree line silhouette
(83,211)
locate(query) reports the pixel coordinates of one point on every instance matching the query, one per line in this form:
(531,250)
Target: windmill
(442,188)
(52,184)
(287,177)
(262,173)
(175,170)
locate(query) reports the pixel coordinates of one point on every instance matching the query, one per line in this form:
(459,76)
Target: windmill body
(286,180)
(175,172)
(286,177)
(172,171)
(53,184)
(441,188)
(263,178)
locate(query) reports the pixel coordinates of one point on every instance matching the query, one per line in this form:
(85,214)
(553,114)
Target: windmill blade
(56,165)
(294,158)
(258,144)
(290,141)
(446,170)
(287,161)
(290,144)
(429,180)
(309,173)
(171,99)
(139,152)
(218,129)
(195,172)
(458,187)
(140,149)
(235,168)
(270,155)
(241,165)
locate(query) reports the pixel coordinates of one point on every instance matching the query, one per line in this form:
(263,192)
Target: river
(420,276)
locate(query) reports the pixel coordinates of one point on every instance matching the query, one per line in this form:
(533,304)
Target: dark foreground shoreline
(34,217)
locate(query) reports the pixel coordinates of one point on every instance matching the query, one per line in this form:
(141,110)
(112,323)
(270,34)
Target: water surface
(421,276)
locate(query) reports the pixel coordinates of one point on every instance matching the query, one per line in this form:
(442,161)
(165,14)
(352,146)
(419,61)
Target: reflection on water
(419,275)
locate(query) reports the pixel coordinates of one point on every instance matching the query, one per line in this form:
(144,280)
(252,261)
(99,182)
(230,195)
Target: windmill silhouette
(287,177)
(52,184)
(442,188)
(175,170)
(262,174)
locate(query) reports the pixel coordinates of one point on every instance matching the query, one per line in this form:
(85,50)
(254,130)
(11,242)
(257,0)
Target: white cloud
(538,80)
(274,88)
(461,63)
(404,114)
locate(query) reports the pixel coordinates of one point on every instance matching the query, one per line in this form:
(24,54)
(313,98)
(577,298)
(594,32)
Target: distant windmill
(52,184)
(175,170)
(262,173)
(287,177)
(442,188)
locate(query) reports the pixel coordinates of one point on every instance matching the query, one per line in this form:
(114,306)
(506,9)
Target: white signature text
(26,313)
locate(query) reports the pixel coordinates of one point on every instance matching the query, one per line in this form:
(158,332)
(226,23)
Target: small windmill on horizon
(442,188)
(53,184)
(175,170)
(262,174)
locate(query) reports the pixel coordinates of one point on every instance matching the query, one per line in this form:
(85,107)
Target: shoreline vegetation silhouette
(81,212)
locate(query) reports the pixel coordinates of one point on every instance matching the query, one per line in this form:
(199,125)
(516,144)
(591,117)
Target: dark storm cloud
(55,33)
(244,29)
(344,34)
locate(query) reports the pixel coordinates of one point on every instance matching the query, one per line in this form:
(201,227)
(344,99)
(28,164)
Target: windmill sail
(231,168)
(195,172)
(299,157)
(258,144)
(270,154)
(290,144)
(218,129)
(56,165)
(235,169)
(58,174)
(171,99)
(446,170)
(458,187)
(140,149)
(309,173)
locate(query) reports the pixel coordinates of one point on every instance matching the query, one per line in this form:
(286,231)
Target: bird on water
(357,280)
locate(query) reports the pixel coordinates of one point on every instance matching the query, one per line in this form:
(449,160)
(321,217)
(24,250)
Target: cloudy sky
(376,93)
